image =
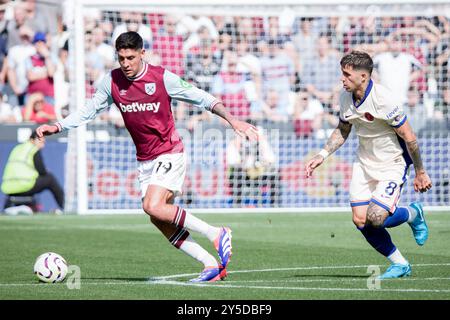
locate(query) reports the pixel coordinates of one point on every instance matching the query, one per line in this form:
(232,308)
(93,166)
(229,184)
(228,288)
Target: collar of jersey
(369,87)
(139,75)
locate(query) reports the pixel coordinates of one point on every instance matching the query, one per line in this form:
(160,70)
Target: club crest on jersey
(150,88)
(368,116)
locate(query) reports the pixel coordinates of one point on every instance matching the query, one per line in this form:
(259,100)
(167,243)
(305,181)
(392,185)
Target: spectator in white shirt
(104,50)
(397,69)
(9,114)
(17,61)
(134,21)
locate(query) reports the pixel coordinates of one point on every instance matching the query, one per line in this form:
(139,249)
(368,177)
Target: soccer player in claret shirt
(143,94)
(387,147)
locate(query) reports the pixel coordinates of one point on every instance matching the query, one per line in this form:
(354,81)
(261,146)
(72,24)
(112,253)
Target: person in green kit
(25,173)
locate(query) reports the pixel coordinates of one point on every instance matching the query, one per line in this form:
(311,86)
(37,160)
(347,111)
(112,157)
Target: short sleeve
(342,117)
(395,116)
(391,109)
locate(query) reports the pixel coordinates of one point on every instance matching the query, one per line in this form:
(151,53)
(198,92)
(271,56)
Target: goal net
(274,64)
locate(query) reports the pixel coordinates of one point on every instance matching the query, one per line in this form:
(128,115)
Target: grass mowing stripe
(115,252)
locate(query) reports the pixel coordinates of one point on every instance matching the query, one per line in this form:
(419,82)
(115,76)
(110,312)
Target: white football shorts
(382,186)
(168,171)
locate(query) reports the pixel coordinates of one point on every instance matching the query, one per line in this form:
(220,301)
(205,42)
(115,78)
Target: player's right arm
(336,140)
(99,102)
(179,89)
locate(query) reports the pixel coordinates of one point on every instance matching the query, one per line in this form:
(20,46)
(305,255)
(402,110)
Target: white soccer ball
(50,267)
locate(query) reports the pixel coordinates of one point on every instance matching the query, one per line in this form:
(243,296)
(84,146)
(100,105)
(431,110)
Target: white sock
(396,257)
(195,224)
(193,249)
(412,214)
(186,220)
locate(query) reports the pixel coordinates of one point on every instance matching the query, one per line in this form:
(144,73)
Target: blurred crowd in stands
(280,69)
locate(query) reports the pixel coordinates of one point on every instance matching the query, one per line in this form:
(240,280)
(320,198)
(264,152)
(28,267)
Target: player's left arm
(422,181)
(242,128)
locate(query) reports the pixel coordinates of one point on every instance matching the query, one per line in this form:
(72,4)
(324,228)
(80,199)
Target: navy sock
(379,239)
(400,215)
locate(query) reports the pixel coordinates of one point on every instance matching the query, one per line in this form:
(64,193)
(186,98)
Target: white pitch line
(330,280)
(298,288)
(227,282)
(163,280)
(177,283)
(293,269)
(50,285)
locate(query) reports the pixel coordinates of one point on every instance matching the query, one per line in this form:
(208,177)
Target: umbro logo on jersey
(136,107)
(122,92)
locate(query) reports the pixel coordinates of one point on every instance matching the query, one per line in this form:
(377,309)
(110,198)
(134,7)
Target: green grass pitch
(275,256)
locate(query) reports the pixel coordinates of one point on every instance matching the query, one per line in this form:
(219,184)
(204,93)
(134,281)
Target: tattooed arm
(338,137)
(336,140)
(422,181)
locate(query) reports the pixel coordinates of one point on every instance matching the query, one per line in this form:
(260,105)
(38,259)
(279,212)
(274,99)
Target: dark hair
(129,40)
(358,60)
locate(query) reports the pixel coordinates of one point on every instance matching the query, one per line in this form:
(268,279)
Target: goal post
(267,60)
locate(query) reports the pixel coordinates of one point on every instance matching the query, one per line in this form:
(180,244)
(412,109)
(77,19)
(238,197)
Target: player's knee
(359,221)
(376,215)
(359,216)
(151,207)
(374,220)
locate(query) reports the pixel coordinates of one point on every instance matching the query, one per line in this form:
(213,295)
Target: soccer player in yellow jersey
(387,147)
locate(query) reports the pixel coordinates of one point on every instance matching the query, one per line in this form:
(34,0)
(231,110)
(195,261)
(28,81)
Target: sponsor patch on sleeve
(394,113)
(398,120)
(185,84)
